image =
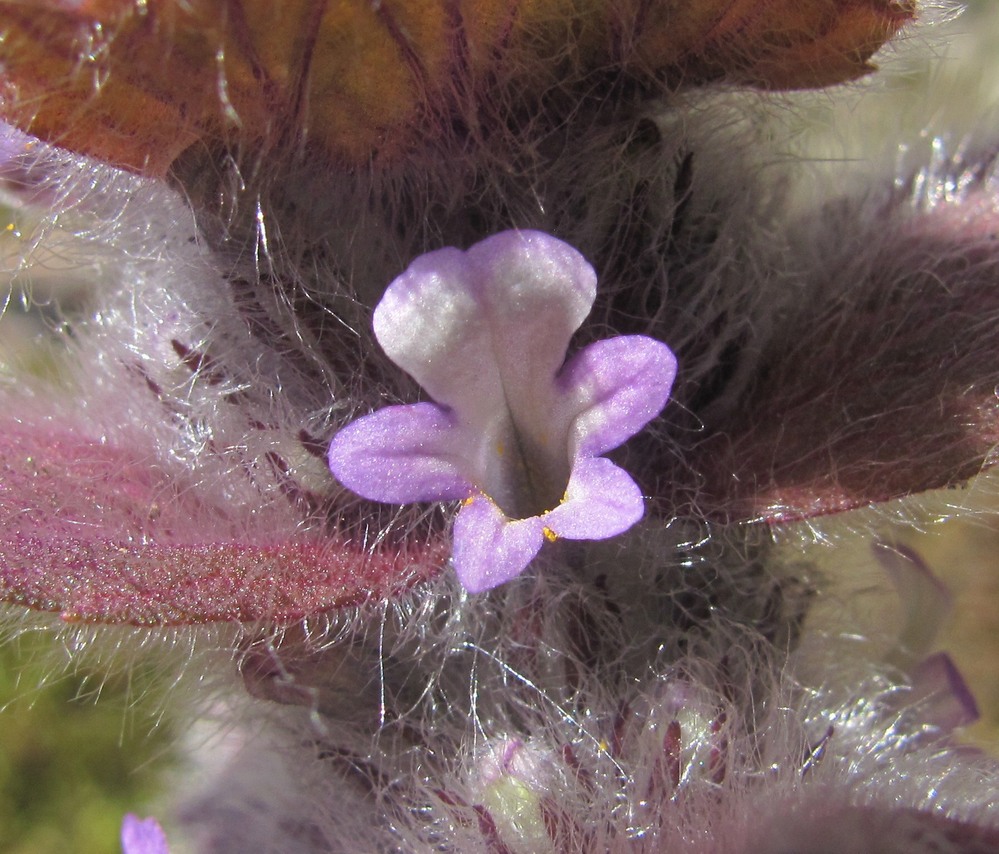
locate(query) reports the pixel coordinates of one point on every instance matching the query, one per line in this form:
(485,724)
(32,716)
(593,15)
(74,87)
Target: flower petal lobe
(400,454)
(617,385)
(600,501)
(489,548)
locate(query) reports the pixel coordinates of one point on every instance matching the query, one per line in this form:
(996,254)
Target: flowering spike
(513,428)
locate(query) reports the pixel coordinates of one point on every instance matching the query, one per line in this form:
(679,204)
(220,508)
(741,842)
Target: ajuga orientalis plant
(449,375)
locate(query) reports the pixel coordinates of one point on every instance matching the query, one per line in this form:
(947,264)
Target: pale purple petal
(484,331)
(489,548)
(401,454)
(537,291)
(616,386)
(512,426)
(142,836)
(430,323)
(600,501)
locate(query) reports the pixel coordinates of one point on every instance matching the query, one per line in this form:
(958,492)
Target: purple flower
(514,430)
(142,836)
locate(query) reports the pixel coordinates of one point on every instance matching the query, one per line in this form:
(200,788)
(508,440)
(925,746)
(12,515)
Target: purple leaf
(879,392)
(96,532)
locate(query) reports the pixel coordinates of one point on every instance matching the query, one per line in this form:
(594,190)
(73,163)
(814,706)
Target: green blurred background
(70,766)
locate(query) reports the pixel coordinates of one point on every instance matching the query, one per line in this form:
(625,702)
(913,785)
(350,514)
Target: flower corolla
(514,430)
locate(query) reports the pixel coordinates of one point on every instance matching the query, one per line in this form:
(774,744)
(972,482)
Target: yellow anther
(550,535)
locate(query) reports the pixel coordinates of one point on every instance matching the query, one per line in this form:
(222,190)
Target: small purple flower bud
(142,836)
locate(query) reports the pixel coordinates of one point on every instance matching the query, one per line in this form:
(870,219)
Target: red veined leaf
(135,84)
